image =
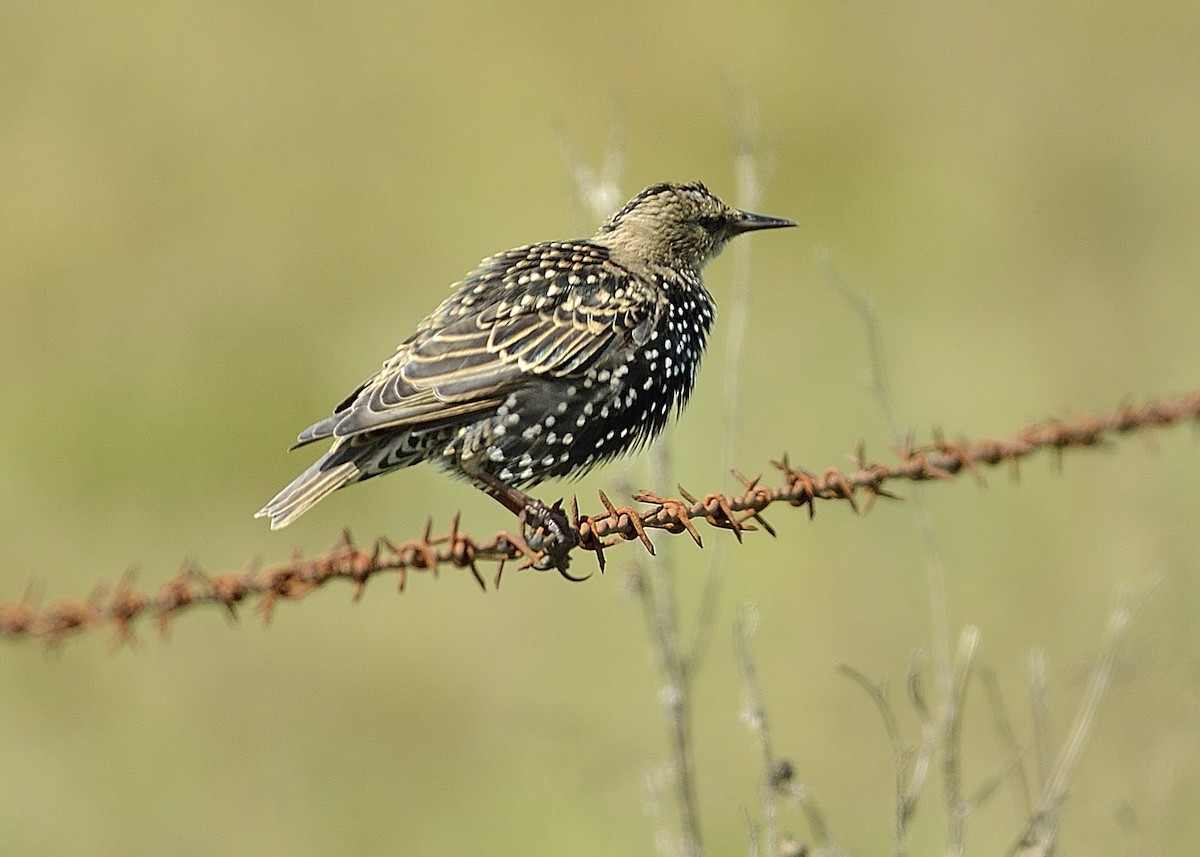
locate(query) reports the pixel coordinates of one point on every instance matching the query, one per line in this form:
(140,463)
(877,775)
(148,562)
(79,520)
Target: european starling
(544,362)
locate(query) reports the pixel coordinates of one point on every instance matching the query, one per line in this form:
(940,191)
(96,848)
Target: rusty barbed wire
(121,605)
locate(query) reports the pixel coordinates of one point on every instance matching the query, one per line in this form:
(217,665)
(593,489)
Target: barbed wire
(119,606)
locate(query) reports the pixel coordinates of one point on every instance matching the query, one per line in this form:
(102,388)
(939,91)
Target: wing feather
(550,309)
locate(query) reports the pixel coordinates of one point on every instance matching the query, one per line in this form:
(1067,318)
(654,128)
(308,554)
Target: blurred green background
(215,219)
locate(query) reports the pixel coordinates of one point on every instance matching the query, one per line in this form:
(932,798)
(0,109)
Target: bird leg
(551,530)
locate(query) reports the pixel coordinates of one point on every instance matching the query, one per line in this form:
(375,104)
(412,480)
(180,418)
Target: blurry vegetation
(214,218)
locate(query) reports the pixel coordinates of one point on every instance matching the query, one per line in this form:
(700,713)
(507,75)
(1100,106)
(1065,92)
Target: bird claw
(549,530)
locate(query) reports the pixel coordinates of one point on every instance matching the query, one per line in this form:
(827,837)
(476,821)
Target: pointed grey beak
(748,221)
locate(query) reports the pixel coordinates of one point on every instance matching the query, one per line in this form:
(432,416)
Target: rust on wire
(119,607)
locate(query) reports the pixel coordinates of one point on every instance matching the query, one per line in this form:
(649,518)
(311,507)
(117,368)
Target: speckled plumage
(544,362)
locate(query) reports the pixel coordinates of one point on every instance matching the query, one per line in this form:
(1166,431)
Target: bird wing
(545,310)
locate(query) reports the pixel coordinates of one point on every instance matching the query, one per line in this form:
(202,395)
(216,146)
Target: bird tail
(323,478)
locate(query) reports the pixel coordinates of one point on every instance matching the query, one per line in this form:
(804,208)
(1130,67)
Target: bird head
(677,226)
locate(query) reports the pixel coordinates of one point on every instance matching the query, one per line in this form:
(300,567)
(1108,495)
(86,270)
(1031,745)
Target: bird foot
(548,529)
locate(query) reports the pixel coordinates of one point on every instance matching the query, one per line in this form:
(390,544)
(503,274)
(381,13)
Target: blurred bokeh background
(217,218)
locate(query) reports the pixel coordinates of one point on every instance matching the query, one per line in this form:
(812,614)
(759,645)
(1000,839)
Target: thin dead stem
(1035,666)
(749,178)
(777,777)
(1041,833)
(662,613)
(1007,735)
(910,764)
(597,191)
(756,717)
(880,386)
(956,805)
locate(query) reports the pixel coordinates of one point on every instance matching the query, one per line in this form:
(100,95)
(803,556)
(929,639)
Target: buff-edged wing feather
(559,322)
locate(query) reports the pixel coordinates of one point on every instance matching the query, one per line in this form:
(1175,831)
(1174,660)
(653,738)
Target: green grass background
(216,218)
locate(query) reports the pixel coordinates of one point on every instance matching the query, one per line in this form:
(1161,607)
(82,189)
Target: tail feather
(306,489)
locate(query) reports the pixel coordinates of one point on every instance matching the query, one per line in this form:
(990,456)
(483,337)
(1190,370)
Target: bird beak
(748,221)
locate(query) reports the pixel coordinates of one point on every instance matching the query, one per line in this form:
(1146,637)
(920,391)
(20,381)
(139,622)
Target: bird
(546,361)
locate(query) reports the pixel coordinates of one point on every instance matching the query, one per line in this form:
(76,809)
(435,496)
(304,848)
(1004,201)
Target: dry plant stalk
(1043,816)
(119,606)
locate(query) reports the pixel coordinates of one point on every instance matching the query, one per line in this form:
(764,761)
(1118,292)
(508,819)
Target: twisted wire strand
(119,606)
